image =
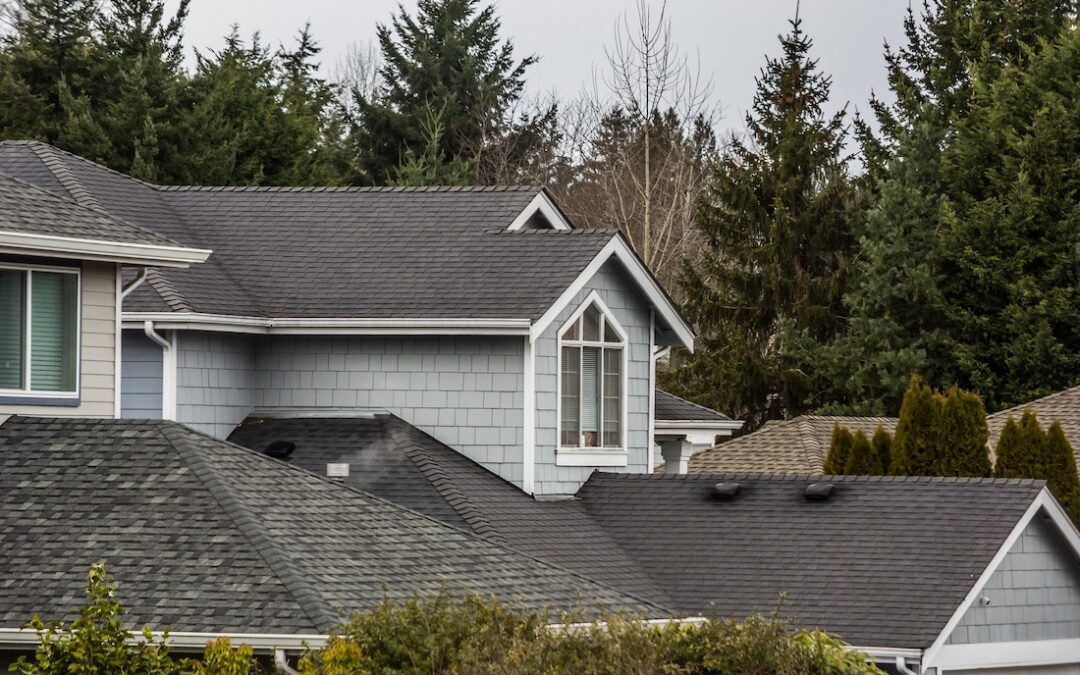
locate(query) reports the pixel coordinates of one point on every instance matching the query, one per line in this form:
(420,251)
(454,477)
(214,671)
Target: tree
(779,224)
(1024,450)
(1061,470)
(882,442)
(963,436)
(449,58)
(863,460)
(918,432)
(839,451)
(1009,452)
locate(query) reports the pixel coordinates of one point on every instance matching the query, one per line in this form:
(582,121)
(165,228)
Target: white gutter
(187,640)
(699,424)
(330,326)
(91,249)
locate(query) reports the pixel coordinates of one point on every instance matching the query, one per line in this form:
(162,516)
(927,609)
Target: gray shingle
(670,407)
(203,535)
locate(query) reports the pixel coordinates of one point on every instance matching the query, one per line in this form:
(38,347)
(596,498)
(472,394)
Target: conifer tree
(882,442)
(863,459)
(839,450)
(1008,454)
(962,438)
(1061,470)
(779,228)
(917,439)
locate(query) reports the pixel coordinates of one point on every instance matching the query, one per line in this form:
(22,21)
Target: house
(798,445)
(679,422)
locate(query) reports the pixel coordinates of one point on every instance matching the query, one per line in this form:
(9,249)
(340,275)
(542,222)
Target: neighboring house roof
(392,459)
(34,221)
(205,536)
(370,253)
(671,408)
(884,561)
(798,445)
(1062,406)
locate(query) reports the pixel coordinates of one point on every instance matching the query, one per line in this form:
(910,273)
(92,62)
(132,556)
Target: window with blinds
(591,393)
(39,331)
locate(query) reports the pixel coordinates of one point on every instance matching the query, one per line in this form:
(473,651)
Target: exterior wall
(1034,595)
(625,301)
(97,362)
(215,378)
(140,380)
(466,391)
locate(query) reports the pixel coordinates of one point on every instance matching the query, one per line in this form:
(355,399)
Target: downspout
(140,277)
(282,662)
(168,371)
(901,667)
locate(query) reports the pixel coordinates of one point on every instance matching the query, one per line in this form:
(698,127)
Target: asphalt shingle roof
(27,209)
(204,535)
(332,252)
(884,561)
(392,459)
(798,446)
(669,407)
(1062,406)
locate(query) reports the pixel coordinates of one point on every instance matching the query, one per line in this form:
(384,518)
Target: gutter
(189,640)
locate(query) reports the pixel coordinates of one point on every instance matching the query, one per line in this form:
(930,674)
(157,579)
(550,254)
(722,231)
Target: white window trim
(47,395)
(589,456)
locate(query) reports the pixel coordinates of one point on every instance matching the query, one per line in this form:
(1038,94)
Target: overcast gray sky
(731,37)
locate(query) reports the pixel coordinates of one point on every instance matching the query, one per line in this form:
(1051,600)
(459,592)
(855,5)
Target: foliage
(1025,450)
(839,450)
(779,223)
(863,459)
(963,435)
(98,643)
(918,432)
(478,635)
(882,443)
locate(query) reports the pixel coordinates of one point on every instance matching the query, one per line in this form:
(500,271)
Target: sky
(729,39)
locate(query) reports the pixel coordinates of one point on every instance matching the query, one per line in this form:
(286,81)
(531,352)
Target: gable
(1033,595)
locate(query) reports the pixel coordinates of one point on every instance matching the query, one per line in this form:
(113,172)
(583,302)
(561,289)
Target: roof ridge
(801,477)
(167,292)
(79,194)
(310,601)
(348,188)
(813,453)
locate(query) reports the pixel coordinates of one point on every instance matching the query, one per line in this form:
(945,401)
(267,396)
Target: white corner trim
(168,369)
(184,640)
(1043,502)
(325,326)
(579,457)
(1006,654)
(618,248)
(652,391)
(118,372)
(528,421)
(542,203)
(91,249)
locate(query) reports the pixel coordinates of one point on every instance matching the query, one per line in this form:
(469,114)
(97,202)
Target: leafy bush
(440,636)
(98,643)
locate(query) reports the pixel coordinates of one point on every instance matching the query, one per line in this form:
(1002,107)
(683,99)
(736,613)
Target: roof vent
(818,492)
(280,449)
(725,490)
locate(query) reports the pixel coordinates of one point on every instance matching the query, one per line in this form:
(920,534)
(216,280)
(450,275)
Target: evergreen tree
(863,460)
(1024,450)
(449,58)
(918,432)
(1061,470)
(1008,455)
(839,451)
(882,442)
(962,437)
(779,229)
(306,100)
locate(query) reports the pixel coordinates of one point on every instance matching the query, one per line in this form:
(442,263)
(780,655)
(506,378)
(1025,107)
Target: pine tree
(962,437)
(863,460)
(779,229)
(882,442)
(448,57)
(839,451)
(917,440)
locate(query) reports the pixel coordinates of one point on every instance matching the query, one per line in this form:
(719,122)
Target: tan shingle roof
(1062,406)
(798,445)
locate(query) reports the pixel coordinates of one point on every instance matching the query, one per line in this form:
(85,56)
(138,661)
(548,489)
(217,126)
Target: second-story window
(591,396)
(39,331)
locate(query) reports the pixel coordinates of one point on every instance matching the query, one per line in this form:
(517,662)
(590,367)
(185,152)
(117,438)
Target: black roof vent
(280,449)
(725,490)
(818,492)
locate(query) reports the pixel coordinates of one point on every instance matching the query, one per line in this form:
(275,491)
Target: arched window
(592,397)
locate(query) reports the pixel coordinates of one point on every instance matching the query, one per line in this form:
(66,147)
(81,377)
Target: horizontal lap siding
(466,391)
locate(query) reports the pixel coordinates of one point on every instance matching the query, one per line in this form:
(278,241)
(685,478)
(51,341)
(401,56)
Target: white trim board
(1006,654)
(542,203)
(325,326)
(619,249)
(528,420)
(185,640)
(53,246)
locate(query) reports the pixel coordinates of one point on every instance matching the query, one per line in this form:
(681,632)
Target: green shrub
(882,442)
(915,445)
(1024,450)
(863,460)
(962,438)
(839,449)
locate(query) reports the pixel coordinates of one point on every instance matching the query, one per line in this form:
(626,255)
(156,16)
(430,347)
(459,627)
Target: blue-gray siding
(626,302)
(215,378)
(1034,595)
(467,392)
(140,381)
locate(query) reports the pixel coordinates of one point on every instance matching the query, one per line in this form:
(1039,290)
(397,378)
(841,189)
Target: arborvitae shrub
(882,442)
(916,442)
(863,459)
(1061,475)
(839,449)
(1008,454)
(1024,450)
(962,436)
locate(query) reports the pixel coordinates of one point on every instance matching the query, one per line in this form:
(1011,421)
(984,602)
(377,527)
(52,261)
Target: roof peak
(349,188)
(817,478)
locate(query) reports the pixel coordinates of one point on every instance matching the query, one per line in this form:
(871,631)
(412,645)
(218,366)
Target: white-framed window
(592,380)
(39,331)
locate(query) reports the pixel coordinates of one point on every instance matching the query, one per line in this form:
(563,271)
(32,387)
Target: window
(39,331)
(591,397)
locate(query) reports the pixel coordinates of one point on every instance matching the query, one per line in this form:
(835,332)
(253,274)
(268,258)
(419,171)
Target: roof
(392,459)
(884,562)
(669,407)
(205,536)
(332,252)
(1062,406)
(798,445)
